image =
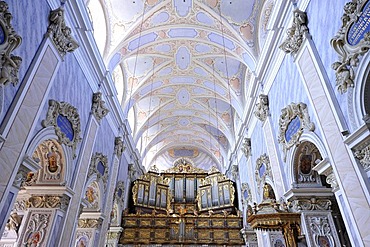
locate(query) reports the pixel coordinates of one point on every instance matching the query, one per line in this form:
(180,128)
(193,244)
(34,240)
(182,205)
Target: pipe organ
(184,205)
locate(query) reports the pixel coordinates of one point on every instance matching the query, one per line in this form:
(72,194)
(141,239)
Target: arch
(307,136)
(359,96)
(48,135)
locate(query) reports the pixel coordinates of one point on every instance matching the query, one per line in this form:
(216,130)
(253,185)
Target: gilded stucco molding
(60,202)
(98,162)
(9,41)
(293,114)
(119,147)
(262,108)
(351,41)
(59,33)
(66,121)
(296,33)
(246,147)
(89,223)
(98,106)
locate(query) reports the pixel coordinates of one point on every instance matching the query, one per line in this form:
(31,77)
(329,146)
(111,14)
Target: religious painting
(305,164)
(92,195)
(279,243)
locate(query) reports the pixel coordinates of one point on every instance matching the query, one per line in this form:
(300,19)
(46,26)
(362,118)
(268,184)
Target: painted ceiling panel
(183,72)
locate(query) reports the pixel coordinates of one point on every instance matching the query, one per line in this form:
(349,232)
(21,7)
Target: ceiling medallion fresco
(181,69)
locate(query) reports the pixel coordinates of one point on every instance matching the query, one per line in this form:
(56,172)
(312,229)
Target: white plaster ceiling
(181,69)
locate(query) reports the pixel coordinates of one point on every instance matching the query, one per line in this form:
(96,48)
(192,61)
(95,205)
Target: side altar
(184,205)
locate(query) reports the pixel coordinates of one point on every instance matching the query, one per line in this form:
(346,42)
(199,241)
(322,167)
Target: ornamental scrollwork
(364,157)
(263,170)
(119,192)
(98,106)
(119,147)
(246,194)
(321,230)
(247,147)
(59,33)
(293,120)
(48,202)
(295,34)
(99,166)
(89,223)
(37,228)
(9,41)
(66,121)
(262,108)
(310,204)
(350,42)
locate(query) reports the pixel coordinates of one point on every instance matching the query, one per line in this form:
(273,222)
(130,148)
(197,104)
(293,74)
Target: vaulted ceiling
(181,68)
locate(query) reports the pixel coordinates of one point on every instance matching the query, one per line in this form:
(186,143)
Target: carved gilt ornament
(59,33)
(89,223)
(48,202)
(98,106)
(262,108)
(295,34)
(66,121)
(293,120)
(9,41)
(351,41)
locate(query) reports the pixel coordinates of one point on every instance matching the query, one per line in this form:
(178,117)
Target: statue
(268,193)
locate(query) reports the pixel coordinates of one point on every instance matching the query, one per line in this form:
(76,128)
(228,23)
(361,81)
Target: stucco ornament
(311,204)
(293,120)
(59,33)
(9,41)
(321,231)
(99,166)
(98,106)
(36,230)
(350,42)
(48,202)
(66,121)
(364,156)
(262,108)
(295,34)
(263,170)
(246,147)
(119,192)
(246,194)
(119,147)
(89,223)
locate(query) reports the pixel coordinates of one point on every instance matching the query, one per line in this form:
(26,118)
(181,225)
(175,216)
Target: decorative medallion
(92,196)
(295,34)
(49,155)
(98,106)
(66,122)
(246,194)
(119,147)
(99,166)
(263,170)
(120,193)
(262,108)
(59,33)
(293,120)
(246,147)
(9,41)
(305,159)
(351,41)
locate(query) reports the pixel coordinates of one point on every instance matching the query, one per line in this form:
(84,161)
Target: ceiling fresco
(181,69)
